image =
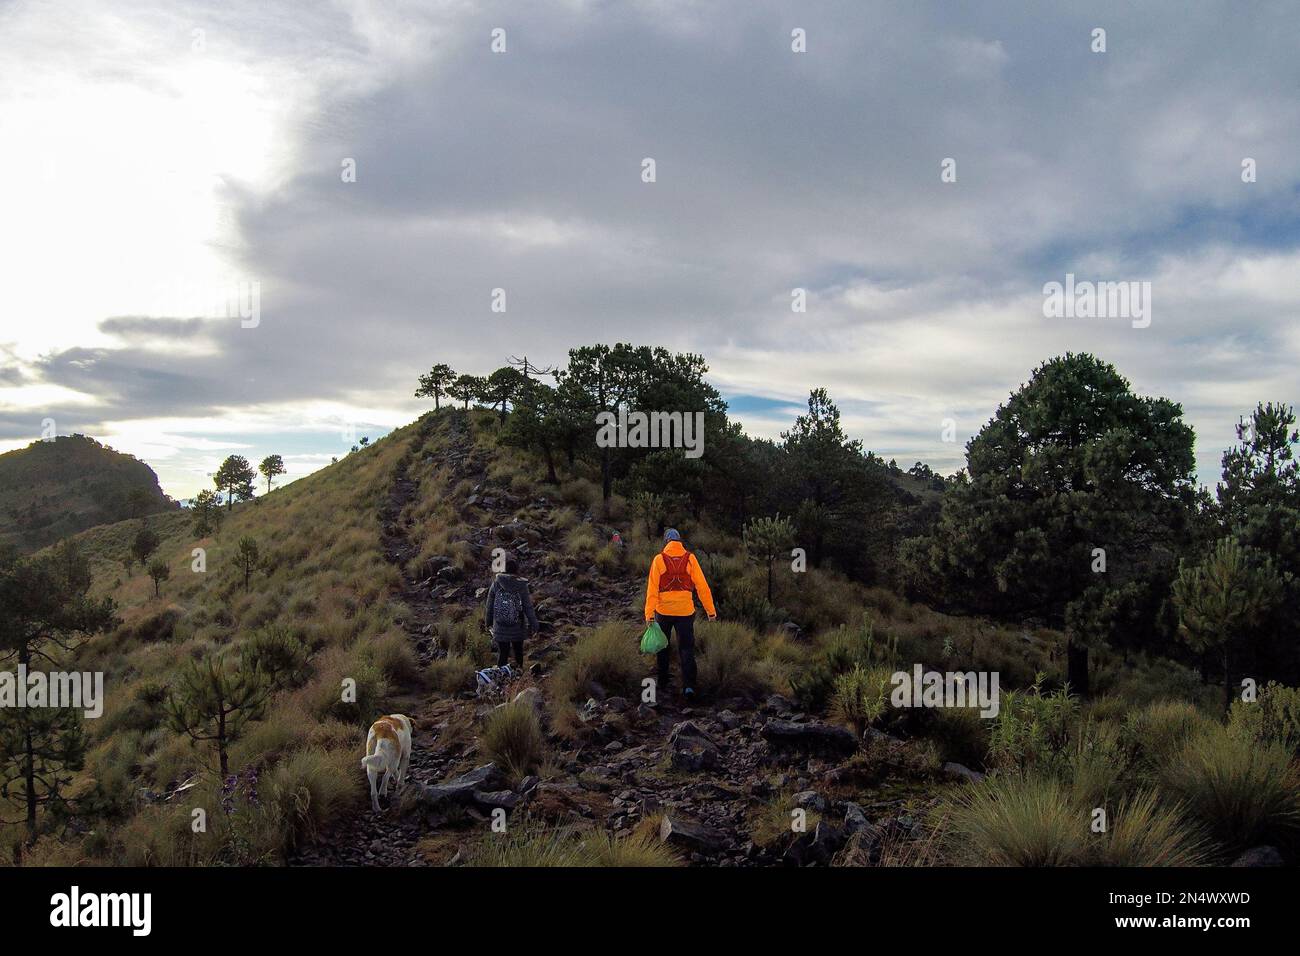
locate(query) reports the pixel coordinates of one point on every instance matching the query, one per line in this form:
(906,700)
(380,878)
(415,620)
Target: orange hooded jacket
(676,603)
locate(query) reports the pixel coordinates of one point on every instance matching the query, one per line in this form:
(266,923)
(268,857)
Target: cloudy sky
(166,166)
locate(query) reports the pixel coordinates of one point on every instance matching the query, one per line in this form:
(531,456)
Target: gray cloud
(775,170)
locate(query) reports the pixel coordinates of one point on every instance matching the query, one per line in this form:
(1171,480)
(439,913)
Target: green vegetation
(318,618)
(245,691)
(563,847)
(512,737)
(55,488)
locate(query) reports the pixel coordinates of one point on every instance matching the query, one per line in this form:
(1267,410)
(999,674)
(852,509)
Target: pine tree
(767,539)
(206,508)
(45,611)
(248,558)
(1223,599)
(144,545)
(214,699)
(271,466)
(466,388)
(235,478)
(160,572)
(435,382)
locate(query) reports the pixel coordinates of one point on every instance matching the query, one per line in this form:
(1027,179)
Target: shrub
(278,654)
(530,846)
(582,542)
(1158,731)
(961,735)
(770,822)
(393,654)
(1015,820)
(638,850)
(328,692)
(525,846)
(309,790)
(1033,820)
(609,560)
(608,656)
(1274,716)
(1033,729)
(512,737)
(838,652)
(1244,792)
(1143,833)
(452,674)
(860,696)
(728,660)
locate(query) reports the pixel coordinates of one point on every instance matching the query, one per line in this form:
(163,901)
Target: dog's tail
(374,761)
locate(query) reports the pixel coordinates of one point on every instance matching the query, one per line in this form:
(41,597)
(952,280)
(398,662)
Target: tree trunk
(221,747)
(29,782)
(551,477)
(1076,667)
(29,761)
(1227,680)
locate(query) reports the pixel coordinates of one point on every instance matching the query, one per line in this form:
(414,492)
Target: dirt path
(708,769)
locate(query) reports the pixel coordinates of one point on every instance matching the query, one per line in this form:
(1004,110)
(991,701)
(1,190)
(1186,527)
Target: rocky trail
(702,777)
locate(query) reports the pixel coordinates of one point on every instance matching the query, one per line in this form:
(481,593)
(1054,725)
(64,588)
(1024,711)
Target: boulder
(494,799)
(855,819)
(462,790)
(1260,856)
(810,800)
(531,696)
(778,703)
(691,835)
(816,848)
(810,736)
(691,749)
(961,772)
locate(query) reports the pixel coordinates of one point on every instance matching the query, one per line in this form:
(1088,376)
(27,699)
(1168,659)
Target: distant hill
(55,488)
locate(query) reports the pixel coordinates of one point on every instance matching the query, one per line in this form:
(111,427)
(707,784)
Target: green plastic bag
(654,639)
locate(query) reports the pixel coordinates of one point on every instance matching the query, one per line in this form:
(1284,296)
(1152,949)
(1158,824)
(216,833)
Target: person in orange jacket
(675,576)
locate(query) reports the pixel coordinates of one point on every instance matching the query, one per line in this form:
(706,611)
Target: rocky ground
(726,783)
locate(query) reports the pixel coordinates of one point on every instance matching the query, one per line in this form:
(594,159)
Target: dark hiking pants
(503,652)
(685,628)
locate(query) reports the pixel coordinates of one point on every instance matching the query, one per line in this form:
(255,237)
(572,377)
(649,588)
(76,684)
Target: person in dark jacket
(510,615)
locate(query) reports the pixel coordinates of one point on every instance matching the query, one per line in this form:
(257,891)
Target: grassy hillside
(376,566)
(325,583)
(52,489)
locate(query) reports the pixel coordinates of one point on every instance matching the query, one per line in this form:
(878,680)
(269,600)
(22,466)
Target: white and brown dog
(388,751)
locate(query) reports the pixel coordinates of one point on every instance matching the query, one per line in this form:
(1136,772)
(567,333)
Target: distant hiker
(674,576)
(510,615)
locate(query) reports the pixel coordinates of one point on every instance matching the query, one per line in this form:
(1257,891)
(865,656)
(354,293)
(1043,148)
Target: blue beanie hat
(672,535)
